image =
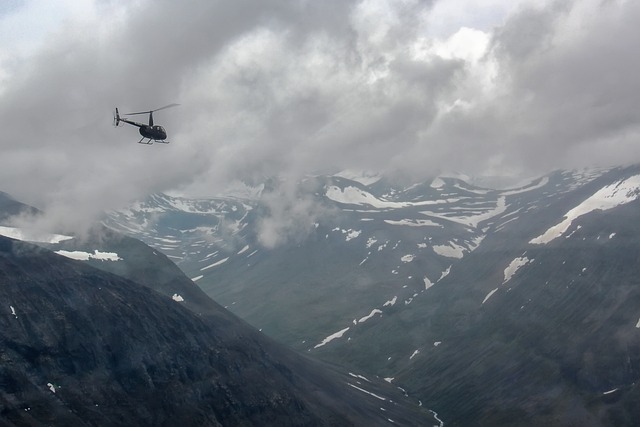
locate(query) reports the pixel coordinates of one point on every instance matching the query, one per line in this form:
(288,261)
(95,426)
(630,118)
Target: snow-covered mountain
(488,304)
(540,325)
(372,244)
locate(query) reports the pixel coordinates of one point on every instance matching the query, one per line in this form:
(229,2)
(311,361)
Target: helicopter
(152,133)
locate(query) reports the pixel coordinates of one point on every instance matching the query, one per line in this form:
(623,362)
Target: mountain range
(104,330)
(516,306)
(490,306)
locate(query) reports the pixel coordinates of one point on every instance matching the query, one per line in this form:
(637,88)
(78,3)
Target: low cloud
(291,213)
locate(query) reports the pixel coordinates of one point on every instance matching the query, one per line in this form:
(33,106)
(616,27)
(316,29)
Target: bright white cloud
(448,16)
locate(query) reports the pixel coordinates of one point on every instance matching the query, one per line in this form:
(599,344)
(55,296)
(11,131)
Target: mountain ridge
(410,282)
(487,305)
(82,346)
(454,206)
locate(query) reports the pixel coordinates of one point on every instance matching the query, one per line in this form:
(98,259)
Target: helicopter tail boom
(116,118)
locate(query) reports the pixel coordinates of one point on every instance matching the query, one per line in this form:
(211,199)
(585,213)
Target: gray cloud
(290,214)
(270,87)
(571,96)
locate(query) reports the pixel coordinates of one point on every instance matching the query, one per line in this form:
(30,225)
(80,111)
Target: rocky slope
(81,346)
(497,307)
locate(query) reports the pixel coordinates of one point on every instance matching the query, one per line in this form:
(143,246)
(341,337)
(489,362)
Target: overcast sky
(266,87)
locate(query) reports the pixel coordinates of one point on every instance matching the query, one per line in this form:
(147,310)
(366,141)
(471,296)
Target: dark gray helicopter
(149,132)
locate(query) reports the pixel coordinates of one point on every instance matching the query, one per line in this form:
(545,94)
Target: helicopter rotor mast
(150,112)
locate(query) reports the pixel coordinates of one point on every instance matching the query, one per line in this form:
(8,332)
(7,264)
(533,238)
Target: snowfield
(356,196)
(85,256)
(33,236)
(608,197)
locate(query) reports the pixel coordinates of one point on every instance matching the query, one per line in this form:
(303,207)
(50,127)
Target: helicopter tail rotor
(116,118)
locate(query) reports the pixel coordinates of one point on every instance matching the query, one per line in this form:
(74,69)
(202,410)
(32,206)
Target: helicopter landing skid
(149,141)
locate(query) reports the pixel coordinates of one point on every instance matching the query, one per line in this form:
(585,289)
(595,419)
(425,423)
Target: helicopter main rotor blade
(166,106)
(151,111)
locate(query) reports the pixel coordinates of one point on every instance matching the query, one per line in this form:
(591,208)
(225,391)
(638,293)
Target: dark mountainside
(144,265)
(559,347)
(440,288)
(557,344)
(10,207)
(80,346)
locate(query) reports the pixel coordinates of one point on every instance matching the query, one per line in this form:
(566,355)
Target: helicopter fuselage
(153,132)
(156,132)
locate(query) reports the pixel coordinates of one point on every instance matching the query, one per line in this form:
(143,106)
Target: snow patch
(362,377)
(177,298)
(391,302)
(51,387)
(332,337)
(514,266)
(427,283)
(407,258)
(435,415)
(414,222)
(415,353)
(355,196)
(474,220)
(445,273)
(452,250)
(370,315)
(215,264)
(368,392)
(352,234)
(489,295)
(606,198)
(13,311)
(195,279)
(475,243)
(85,256)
